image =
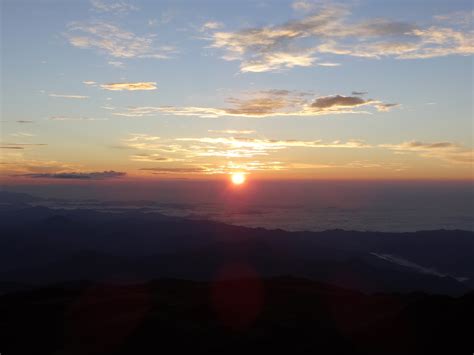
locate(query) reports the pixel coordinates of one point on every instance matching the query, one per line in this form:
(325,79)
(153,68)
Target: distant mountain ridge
(42,245)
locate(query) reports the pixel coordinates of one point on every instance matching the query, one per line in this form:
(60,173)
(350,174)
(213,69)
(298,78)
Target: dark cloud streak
(95,175)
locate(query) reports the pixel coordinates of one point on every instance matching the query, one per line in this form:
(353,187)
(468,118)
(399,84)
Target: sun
(238,178)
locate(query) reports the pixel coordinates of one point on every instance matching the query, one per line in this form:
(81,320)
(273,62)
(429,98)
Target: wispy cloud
(15,147)
(166,17)
(100,175)
(250,147)
(269,103)
(460,18)
(329,29)
(22,135)
(447,151)
(17,164)
(230,167)
(147,85)
(116,64)
(67,96)
(221,155)
(152,158)
(328,64)
(227,147)
(20,145)
(303,5)
(192,170)
(211,25)
(232,131)
(69,118)
(24,121)
(114,41)
(113,6)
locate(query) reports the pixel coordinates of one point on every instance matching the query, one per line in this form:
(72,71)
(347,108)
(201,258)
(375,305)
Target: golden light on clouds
(219,115)
(147,85)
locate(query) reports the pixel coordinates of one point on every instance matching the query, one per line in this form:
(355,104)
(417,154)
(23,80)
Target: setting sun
(238,178)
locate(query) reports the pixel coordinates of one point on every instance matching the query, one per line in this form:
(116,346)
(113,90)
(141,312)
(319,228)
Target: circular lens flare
(238,178)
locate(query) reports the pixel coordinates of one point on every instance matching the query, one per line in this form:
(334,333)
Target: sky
(122,90)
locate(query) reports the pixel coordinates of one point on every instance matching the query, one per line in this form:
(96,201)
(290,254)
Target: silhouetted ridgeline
(41,245)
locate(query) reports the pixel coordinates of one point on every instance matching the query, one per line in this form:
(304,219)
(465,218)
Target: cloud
(338,102)
(21,145)
(67,118)
(151,158)
(235,147)
(359,93)
(89,82)
(232,131)
(146,142)
(211,25)
(16,164)
(328,64)
(418,44)
(230,167)
(116,64)
(22,135)
(329,29)
(24,121)
(268,103)
(189,149)
(221,155)
(244,147)
(247,166)
(220,168)
(65,96)
(460,18)
(113,6)
(385,107)
(96,175)
(275,144)
(175,170)
(135,137)
(446,151)
(302,5)
(148,85)
(165,18)
(328,102)
(114,41)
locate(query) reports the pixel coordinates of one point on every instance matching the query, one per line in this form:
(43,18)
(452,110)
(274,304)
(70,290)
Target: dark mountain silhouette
(80,281)
(40,245)
(277,315)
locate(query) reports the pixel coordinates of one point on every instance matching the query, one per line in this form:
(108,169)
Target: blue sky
(304,89)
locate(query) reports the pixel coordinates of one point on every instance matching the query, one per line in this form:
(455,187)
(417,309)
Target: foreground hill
(278,315)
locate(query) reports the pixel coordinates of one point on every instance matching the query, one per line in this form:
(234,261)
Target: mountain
(275,315)
(131,281)
(40,245)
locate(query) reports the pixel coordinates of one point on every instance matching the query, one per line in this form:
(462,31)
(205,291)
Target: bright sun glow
(238,178)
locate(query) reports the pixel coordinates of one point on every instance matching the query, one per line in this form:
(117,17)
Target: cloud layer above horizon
(125,89)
